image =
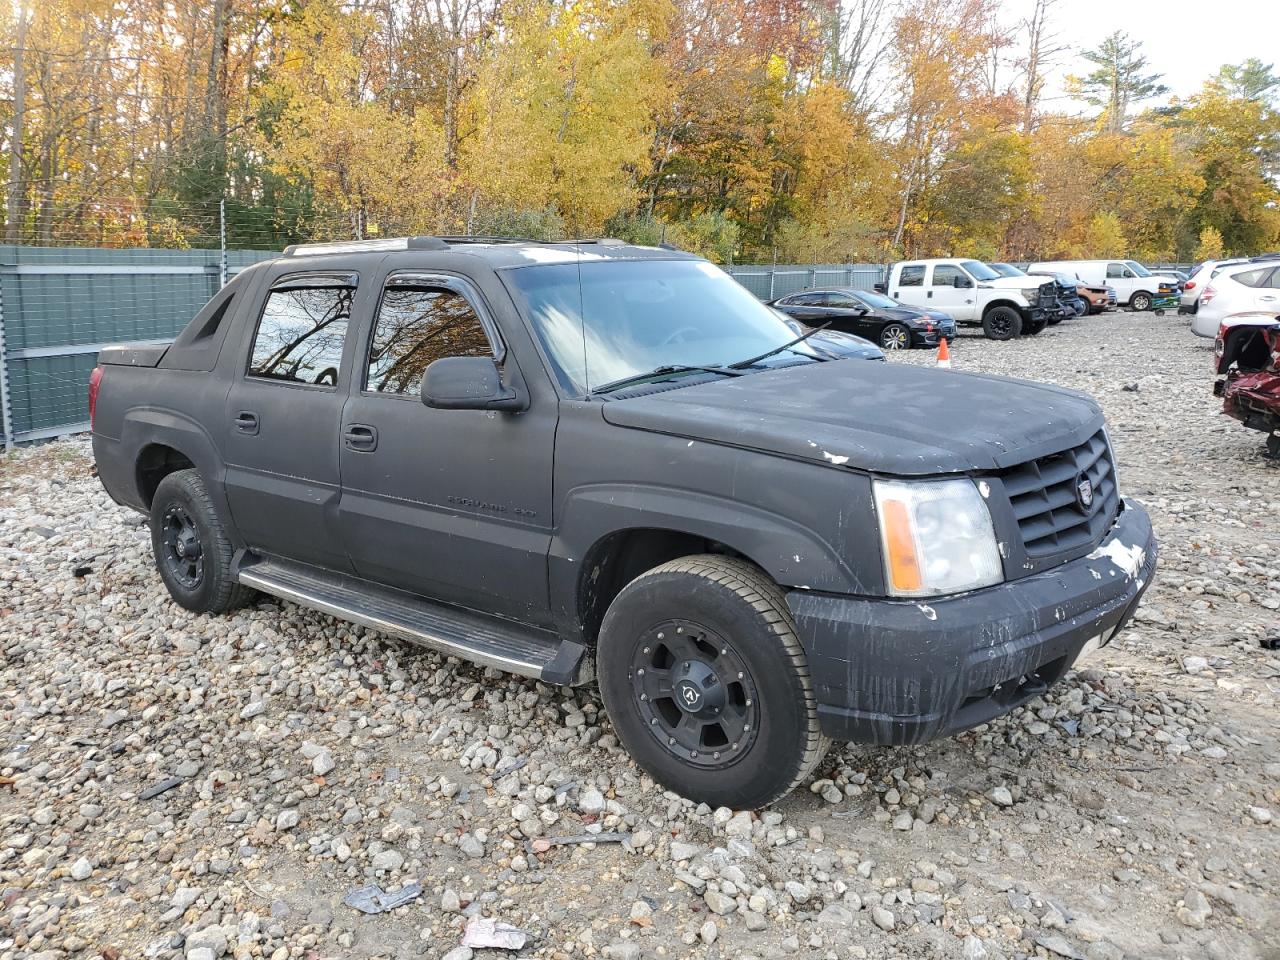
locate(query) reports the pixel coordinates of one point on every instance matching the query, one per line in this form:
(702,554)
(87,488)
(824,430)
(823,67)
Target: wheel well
(619,558)
(155,462)
(1001,303)
(1139,293)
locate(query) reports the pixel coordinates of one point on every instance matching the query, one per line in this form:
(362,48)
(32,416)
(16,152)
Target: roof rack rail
(485,239)
(364,246)
(393,243)
(602,241)
(426,243)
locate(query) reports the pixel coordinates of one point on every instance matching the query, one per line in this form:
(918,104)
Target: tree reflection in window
(417,325)
(301,334)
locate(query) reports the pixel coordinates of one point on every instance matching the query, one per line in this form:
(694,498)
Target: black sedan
(874,316)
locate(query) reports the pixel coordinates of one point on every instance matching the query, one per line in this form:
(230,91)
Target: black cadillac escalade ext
(589,460)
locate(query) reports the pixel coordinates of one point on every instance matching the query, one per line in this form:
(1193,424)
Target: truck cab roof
(498,252)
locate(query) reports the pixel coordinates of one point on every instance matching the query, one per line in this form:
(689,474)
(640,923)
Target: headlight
(1032,295)
(936,537)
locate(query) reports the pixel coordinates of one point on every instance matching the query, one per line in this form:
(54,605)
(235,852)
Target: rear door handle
(247,422)
(360,436)
(929,295)
(1268,298)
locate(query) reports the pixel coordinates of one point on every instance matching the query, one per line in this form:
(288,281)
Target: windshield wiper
(776,350)
(662,372)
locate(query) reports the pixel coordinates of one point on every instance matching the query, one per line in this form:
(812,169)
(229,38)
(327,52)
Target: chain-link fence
(59,306)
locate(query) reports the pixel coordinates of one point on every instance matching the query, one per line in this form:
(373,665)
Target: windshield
(604,321)
(1005,270)
(1137,268)
(876,300)
(979,271)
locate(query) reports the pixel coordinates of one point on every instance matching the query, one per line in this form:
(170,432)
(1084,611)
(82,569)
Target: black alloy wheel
(895,336)
(1001,323)
(706,682)
(695,693)
(192,551)
(183,554)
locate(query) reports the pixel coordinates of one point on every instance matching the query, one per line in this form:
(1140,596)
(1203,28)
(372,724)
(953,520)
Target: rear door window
(911,276)
(416,326)
(301,334)
(841,301)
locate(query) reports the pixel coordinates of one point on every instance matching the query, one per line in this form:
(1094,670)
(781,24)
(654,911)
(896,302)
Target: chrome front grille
(1047,501)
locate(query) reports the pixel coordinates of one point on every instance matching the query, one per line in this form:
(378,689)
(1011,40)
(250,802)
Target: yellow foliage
(561,109)
(335,129)
(1210,246)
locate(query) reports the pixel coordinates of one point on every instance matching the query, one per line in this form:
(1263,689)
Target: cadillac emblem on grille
(1084,493)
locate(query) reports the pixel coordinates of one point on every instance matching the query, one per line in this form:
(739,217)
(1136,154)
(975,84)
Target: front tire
(1001,323)
(707,685)
(895,336)
(1140,301)
(190,545)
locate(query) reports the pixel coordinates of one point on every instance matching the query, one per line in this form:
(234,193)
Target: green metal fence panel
(60,305)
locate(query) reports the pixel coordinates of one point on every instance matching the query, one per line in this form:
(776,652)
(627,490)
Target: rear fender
(147,426)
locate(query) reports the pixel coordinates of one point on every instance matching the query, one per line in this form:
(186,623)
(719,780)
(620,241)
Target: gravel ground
(1131,813)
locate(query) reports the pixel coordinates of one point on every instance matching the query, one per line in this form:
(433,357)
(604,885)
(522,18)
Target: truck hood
(1015,283)
(887,418)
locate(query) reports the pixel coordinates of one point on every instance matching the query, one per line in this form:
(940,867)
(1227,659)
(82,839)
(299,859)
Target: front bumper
(902,671)
(930,338)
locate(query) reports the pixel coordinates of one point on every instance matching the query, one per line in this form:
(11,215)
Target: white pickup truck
(975,295)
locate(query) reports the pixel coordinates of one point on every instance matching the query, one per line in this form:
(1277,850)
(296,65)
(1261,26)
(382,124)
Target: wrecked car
(1247,369)
(595,462)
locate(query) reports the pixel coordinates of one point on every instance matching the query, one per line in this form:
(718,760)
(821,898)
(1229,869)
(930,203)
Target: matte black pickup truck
(593,461)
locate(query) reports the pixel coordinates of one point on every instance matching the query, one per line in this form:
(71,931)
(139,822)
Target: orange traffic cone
(944,354)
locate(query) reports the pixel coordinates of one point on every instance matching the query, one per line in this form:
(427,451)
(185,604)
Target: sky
(1184,41)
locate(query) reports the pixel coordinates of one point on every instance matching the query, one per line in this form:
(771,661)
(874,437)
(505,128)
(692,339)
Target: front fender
(794,555)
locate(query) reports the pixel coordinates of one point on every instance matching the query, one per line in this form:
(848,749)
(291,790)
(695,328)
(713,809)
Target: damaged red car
(1247,364)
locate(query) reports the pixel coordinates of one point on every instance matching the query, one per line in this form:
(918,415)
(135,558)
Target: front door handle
(360,436)
(929,295)
(1267,298)
(247,422)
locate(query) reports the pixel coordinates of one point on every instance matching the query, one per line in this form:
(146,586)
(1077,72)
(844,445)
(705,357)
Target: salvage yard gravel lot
(1132,812)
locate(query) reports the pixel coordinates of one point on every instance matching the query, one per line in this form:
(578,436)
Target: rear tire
(1140,301)
(190,546)
(1001,323)
(707,685)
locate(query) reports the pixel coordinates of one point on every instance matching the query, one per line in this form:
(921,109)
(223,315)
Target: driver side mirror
(468,383)
(962,283)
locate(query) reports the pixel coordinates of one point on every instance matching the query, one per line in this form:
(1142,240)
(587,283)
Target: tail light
(95,381)
(1189,285)
(1209,294)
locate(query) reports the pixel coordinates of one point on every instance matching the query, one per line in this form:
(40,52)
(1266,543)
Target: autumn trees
(808,130)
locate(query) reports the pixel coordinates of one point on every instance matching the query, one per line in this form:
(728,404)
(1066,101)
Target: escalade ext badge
(712,556)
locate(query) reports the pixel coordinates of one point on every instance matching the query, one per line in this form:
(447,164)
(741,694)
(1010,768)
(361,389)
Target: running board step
(460,633)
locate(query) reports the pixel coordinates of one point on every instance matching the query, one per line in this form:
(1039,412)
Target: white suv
(1189,301)
(1252,287)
